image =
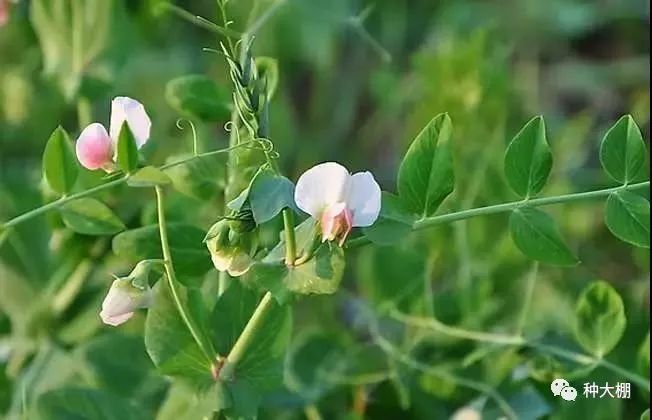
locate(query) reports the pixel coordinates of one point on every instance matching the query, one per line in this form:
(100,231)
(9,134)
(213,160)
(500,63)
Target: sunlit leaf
(60,166)
(127,150)
(528,159)
(622,151)
(600,318)
(425,177)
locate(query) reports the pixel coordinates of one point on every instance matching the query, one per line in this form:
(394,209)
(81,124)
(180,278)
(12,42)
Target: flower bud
(122,300)
(243,221)
(128,294)
(229,249)
(94,148)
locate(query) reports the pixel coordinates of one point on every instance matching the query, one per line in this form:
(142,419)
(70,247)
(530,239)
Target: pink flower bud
(95,148)
(122,300)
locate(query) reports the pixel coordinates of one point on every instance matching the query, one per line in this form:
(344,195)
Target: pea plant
(225,345)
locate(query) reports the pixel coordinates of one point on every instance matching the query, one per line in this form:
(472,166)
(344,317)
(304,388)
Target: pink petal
(115,320)
(133,112)
(94,147)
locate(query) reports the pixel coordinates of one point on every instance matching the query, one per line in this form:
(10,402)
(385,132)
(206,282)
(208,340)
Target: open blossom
(122,300)
(338,200)
(96,147)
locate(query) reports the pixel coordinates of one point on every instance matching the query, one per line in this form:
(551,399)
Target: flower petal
(115,320)
(133,112)
(221,259)
(240,264)
(321,186)
(364,199)
(94,147)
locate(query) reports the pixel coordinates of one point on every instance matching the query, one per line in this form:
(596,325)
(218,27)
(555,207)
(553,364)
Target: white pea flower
(96,147)
(338,200)
(122,300)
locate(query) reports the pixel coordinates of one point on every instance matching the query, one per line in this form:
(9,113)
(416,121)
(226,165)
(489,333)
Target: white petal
(116,319)
(240,264)
(320,186)
(133,112)
(364,199)
(221,260)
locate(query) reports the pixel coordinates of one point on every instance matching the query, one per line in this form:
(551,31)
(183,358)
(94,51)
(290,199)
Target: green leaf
(118,363)
(425,177)
(646,415)
(622,151)
(200,177)
(599,318)
(185,403)
(189,254)
(319,275)
(628,217)
(149,176)
(394,222)
(528,159)
(168,341)
(261,368)
(269,194)
(59,162)
(127,156)
(90,217)
(78,403)
(198,96)
(262,364)
(537,236)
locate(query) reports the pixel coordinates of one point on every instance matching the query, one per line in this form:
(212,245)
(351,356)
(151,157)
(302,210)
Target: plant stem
(427,222)
(290,240)
(172,280)
(531,281)
(62,201)
(516,340)
(246,337)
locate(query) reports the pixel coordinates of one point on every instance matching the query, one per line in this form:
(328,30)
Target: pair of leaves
(267,195)
(425,179)
(623,156)
(600,318)
(527,165)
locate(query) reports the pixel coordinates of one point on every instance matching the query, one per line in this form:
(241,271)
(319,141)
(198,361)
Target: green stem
(290,240)
(172,280)
(246,337)
(516,340)
(66,199)
(531,281)
(428,222)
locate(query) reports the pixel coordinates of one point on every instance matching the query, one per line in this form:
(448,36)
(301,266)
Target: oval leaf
(270,193)
(628,217)
(127,156)
(622,152)
(78,403)
(149,176)
(537,236)
(59,162)
(600,318)
(425,177)
(200,177)
(197,96)
(528,159)
(168,341)
(90,217)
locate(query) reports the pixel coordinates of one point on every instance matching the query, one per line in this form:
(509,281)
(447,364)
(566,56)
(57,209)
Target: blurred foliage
(490,65)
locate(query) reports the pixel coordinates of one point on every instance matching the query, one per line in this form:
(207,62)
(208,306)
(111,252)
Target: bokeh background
(358,80)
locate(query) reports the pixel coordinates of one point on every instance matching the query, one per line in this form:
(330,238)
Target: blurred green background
(358,80)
